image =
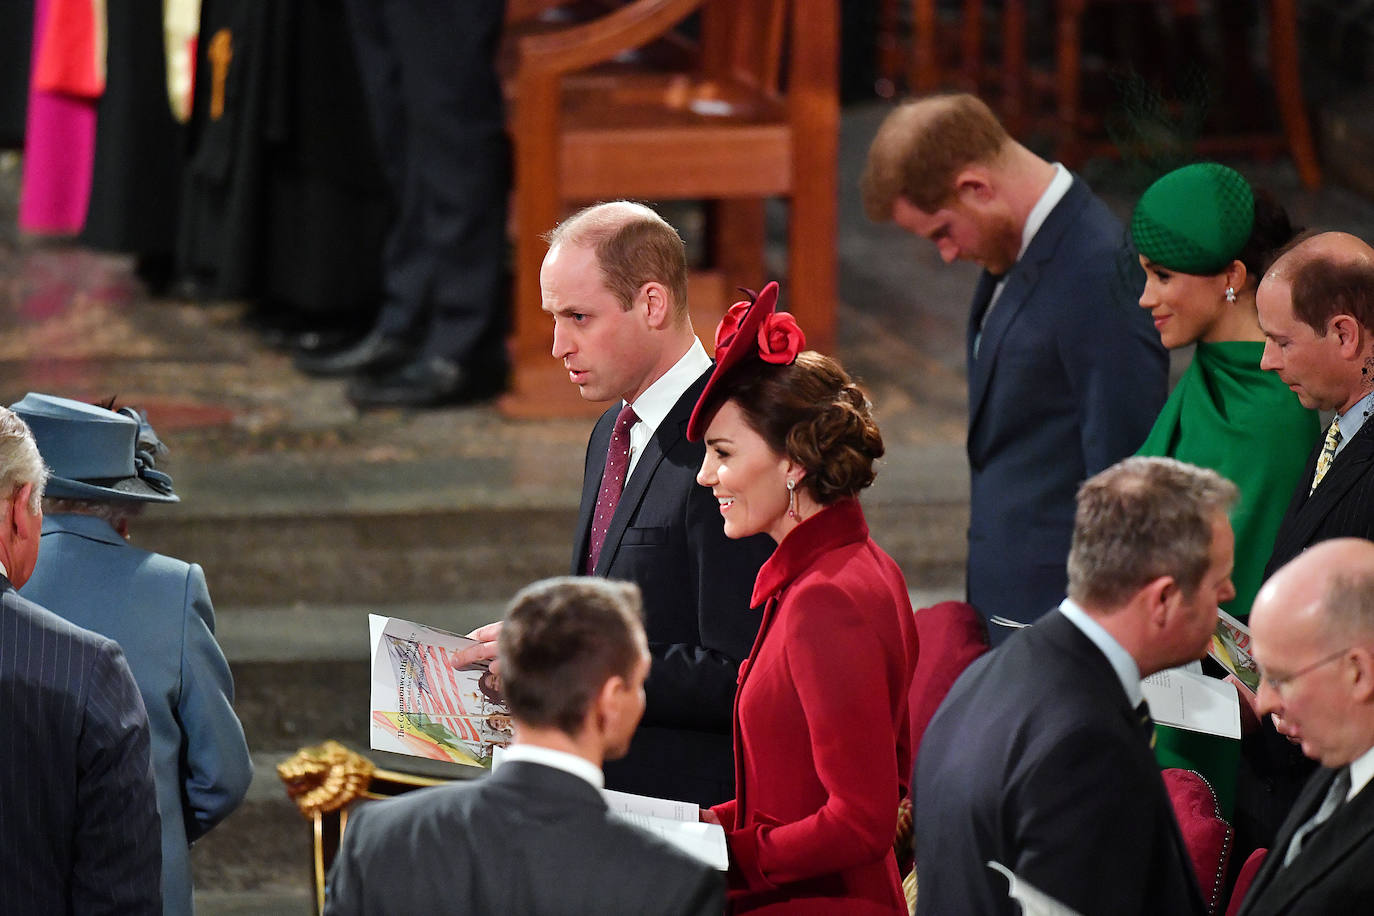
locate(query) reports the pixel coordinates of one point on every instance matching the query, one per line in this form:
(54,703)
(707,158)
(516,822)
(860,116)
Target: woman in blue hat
(157,608)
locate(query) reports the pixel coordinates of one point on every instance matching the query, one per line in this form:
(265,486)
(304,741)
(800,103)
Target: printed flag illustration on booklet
(421,706)
(1231,647)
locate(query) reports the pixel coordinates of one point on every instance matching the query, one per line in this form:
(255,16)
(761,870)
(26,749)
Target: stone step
(431,532)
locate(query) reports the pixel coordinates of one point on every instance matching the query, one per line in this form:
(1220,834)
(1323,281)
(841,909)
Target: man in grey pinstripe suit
(79,829)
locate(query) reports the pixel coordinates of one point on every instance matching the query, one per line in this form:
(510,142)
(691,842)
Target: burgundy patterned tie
(612,482)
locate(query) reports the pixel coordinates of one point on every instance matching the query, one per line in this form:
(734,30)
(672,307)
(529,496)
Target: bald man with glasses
(1313,637)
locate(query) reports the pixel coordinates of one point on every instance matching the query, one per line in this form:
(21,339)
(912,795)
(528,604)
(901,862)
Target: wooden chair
(1014,81)
(757,117)
(922,67)
(1283,68)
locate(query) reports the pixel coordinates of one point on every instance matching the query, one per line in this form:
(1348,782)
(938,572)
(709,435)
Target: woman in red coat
(822,750)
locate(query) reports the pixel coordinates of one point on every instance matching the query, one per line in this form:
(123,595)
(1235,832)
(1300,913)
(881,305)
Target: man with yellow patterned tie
(1316,308)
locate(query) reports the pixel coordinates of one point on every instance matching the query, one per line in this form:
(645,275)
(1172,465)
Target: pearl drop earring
(792,501)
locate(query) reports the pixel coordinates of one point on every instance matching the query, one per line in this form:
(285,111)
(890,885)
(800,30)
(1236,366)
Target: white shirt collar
(1125,667)
(3,571)
(1059,186)
(1353,419)
(559,760)
(1361,772)
(653,404)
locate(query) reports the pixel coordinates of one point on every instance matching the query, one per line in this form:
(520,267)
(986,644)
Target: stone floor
(307,514)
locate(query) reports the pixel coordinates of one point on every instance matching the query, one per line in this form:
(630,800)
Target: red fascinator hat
(751,331)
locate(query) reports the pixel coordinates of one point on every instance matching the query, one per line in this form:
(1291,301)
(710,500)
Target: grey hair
(111,511)
(20,462)
(1141,519)
(1349,603)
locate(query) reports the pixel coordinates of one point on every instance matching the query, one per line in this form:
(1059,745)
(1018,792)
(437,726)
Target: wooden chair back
(756,116)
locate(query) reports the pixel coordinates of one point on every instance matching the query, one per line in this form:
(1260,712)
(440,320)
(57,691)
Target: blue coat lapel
(1022,280)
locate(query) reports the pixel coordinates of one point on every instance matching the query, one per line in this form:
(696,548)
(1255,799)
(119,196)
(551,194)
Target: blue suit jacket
(1068,380)
(528,839)
(1036,760)
(668,538)
(158,609)
(78,811)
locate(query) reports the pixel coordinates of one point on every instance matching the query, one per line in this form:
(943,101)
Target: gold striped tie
(1329,446)
(1147,724)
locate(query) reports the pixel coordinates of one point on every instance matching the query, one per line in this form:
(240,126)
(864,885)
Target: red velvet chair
(1205,832)
(1245,879)
(951,635)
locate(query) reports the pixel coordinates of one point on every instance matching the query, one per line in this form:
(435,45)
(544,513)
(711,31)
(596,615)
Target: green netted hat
(1195,219)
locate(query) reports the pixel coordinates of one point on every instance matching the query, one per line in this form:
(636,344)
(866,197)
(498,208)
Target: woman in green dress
(1204,238)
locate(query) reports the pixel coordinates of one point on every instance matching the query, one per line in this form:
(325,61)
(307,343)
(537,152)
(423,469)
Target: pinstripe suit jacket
(79,830)
(160,614)
(1273,770)
(1343,506)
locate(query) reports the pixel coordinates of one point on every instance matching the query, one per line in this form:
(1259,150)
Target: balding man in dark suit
(615,284)
(79,828)
(1313,629)
(1316,308)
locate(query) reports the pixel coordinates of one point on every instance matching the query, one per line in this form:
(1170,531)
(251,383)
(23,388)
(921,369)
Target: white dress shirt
(1121,661)
(559,760)
(653,404)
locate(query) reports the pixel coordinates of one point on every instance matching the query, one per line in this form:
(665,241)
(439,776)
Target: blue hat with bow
(95,453)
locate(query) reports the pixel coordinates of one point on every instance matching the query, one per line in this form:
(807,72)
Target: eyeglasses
(1278,683)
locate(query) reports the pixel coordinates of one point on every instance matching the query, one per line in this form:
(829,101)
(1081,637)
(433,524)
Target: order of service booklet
(1231,648)
(1192,700)
(423,706)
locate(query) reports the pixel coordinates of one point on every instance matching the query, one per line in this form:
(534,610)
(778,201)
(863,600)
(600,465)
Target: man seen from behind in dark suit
(79,828)
(1040,757)
(1066,375)
(535,837)
(1313,631)
(615,285)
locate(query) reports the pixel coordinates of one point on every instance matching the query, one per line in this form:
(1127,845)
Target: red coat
(822,738)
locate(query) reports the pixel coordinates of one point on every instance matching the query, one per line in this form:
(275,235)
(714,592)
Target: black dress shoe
(374,353)
(428,382)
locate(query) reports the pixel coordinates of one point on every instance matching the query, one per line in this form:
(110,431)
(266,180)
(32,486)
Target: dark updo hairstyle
(1272,231)
(812,412)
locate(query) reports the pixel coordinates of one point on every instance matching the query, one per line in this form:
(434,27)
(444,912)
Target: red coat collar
(834,526)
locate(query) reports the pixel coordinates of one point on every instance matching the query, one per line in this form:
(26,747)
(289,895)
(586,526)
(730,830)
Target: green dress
(1229,415)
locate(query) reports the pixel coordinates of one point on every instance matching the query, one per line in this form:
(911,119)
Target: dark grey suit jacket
(528,839)
(667,537)
(1334,872)
(79,830)
(1037,760)
(1069,377)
